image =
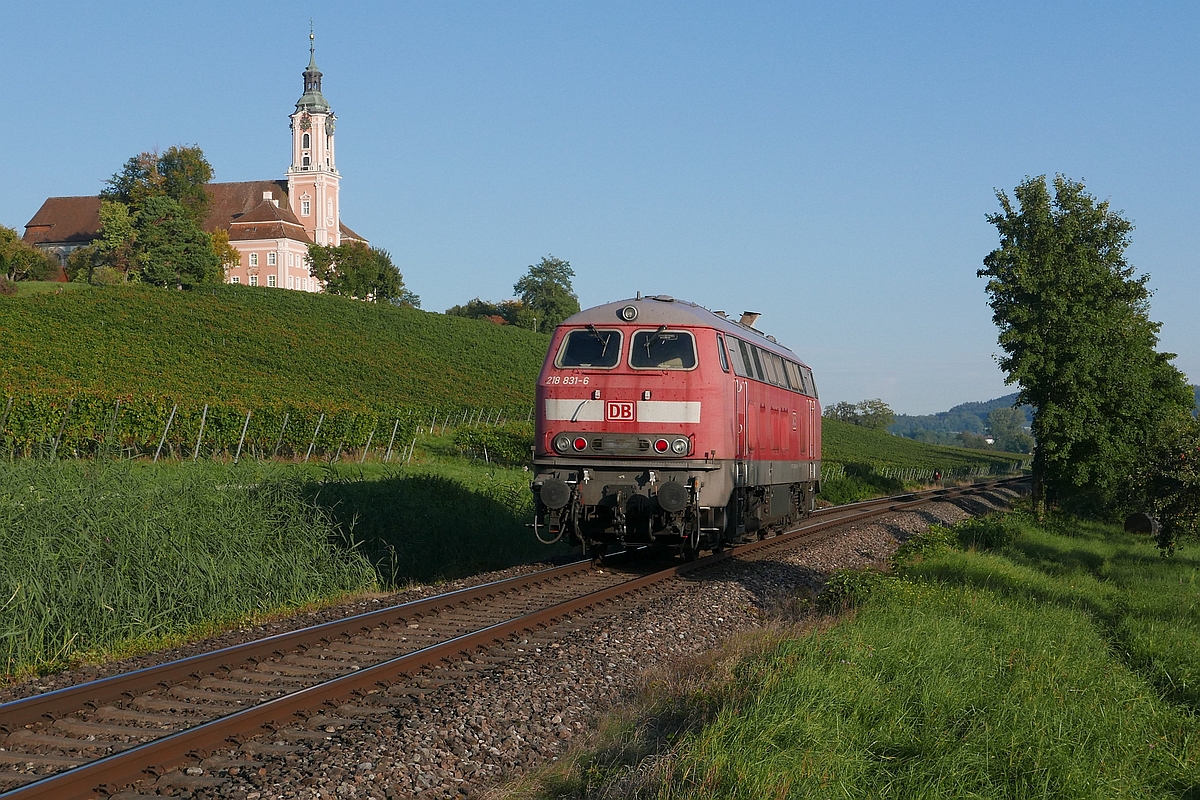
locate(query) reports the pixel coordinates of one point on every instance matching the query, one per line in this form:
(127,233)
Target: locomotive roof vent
(721,314)
(749,318)
(662,298)
(771,338)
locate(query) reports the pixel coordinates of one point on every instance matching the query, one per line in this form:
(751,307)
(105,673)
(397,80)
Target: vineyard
(252,347)
(238,370)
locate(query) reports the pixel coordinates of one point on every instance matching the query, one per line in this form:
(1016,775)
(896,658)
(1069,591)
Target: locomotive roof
(665,310)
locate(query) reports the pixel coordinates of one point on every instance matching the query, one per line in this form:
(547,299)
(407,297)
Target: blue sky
(828,165)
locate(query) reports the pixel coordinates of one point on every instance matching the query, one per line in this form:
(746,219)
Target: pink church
(270,223)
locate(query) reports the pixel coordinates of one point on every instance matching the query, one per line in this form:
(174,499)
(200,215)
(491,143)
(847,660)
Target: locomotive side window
(793,375)
(590,348)
(662,349)
(721,352)
(758,368)
(739,356)
(809,383)
(775,371)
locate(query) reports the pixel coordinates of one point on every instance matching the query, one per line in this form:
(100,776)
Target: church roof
(349,234)
(65,220)
(229,202)
(247,209)
(267,221)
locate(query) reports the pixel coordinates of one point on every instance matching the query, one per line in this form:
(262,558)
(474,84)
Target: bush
(509,443)
(988,532)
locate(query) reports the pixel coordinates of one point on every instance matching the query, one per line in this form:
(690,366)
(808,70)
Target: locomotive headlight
(679,446)
(628,313)
(562,444)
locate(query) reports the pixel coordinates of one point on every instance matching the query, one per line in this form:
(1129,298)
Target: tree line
(544,298)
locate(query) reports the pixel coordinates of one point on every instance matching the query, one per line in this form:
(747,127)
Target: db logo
(622,412)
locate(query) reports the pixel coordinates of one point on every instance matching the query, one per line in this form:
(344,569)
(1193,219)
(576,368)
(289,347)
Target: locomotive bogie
(661,422)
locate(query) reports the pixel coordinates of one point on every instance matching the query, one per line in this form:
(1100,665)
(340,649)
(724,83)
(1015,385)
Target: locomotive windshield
(590,347)
(662,349)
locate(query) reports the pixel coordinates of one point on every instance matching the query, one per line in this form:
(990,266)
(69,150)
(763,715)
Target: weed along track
(194,726)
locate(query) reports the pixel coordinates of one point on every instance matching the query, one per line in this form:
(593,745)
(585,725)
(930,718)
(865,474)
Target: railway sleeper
(161,721)
(28,738)
(80,727)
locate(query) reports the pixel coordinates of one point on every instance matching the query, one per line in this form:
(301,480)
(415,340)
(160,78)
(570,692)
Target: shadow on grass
(427,528)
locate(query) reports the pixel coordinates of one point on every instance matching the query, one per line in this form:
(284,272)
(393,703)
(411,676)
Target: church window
(235,279)
(305,143)
(271,259)
(306,162)
(254,259)
(271,280)
(291,282)
(254,280)
(305,207)
(289,259)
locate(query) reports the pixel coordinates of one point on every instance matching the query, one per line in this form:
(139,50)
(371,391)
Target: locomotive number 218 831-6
(567,380)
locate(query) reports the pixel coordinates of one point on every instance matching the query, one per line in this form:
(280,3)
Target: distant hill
(261,346)
(944,426)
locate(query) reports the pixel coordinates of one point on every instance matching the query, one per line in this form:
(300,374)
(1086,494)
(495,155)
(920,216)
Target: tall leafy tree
(172,251)
(180,173)
(545,290)
(355,270)
(1077,340)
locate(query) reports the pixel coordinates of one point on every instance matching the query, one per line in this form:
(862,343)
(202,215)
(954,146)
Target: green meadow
(999,659)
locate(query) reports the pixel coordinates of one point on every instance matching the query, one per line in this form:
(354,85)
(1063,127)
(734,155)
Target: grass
(97,556)
(102,558)
(1055,661)
(27,288)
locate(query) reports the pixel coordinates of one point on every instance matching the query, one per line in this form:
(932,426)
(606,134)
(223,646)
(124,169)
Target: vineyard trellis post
(411,447)
(313,443)
(388,456)
(279,441)
(200,435)
(170,419)
(62,428)
(241,441)
(367,446)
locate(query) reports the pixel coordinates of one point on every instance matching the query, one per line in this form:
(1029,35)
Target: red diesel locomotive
(661,422)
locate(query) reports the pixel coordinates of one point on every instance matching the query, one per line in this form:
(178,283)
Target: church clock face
(305,122)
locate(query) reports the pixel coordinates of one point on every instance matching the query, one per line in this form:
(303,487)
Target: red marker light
(580,443)
(661,445)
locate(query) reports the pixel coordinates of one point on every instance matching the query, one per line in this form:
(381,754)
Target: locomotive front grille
(621,445)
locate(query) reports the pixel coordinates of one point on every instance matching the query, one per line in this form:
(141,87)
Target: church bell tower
(313,177)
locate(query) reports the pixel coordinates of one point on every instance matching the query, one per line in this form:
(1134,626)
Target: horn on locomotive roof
(749,318)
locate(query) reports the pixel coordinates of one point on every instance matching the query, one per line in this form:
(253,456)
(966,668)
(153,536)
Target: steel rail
(16,714)
(109,774)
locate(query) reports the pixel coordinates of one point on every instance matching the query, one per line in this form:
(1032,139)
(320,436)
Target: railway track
(98,738)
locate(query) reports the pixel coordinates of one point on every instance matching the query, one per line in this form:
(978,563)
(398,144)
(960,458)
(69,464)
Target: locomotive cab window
(662,349)
(590,347)
(721,352)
